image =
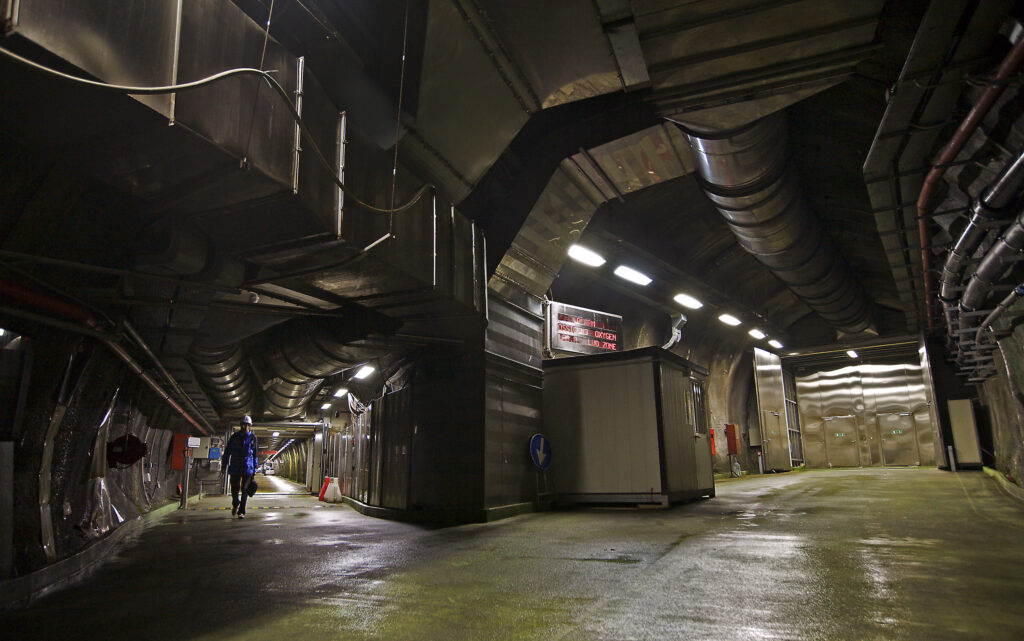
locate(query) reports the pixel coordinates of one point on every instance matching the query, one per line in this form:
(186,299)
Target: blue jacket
(241,454)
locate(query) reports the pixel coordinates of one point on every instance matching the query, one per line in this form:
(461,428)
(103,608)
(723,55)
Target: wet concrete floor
(831,555)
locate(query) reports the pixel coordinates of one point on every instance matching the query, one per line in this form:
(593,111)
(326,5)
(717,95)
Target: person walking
(241,456)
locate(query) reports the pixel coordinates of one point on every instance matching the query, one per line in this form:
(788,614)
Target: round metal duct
(746,175)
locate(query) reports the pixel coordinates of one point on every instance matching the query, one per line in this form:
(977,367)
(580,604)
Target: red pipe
(59,307)
(1007,68)
(46,302)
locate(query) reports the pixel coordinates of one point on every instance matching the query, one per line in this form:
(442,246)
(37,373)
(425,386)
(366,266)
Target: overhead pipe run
(1018,292)
(993,205)
(989,271)
(747,176)
(90,327)
(925,201)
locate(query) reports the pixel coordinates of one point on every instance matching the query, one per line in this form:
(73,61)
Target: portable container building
(627,427)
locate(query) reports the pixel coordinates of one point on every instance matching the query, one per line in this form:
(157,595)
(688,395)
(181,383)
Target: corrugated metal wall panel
(603,429)
(514,332)
(513,416)
(514,340)
(393,419)
(678,429)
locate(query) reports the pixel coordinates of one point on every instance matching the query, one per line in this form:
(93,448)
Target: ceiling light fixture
(852,354)
(688,301)
(325,406)
(276,434)
(776,344)
(341,391)
(632,275)
(585,256)
(364,371)
(756,333)
(729,320)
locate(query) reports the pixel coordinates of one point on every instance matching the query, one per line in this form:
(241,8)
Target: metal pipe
(166,374)
(925,203)
(290,424)
(747,176)
(57,262)
(991,206)
(993,265)
(339,213)
(69,310)
(1000,309)
(300,72)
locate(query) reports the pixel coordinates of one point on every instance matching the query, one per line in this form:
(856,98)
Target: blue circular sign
(540,451)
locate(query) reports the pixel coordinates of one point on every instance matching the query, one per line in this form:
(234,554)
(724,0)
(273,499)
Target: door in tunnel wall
(812,432)
(771,405)
(898,434)
(841,441)
(925,427)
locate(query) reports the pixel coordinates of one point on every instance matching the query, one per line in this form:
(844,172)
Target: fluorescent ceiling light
(632,275)
(756,333)
(325,406)
(276,434)
(364,371)
(340,392)
(585,256)
(851,353)
(776,344)
(729,320)
(688,301)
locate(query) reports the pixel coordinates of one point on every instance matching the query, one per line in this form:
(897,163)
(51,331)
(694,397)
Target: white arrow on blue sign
(540,451)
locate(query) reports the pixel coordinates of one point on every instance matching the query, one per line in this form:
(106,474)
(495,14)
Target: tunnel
(479,319)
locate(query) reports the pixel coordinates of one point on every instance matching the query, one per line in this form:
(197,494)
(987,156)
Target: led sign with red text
(583,331)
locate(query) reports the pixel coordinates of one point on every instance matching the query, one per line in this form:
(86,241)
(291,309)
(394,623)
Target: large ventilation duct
(224,374)
(746,175)
(303,354)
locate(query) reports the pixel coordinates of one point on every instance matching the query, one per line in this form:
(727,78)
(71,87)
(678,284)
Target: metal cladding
(747,177)
(224,373)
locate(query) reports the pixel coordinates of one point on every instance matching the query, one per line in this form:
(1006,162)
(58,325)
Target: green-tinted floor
(851,554)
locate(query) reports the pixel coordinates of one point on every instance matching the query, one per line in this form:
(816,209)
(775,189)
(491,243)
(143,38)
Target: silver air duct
(224,374)
(301,360)
(747,177)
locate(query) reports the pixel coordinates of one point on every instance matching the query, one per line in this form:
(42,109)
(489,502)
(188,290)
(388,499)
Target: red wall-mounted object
(712,432)
(732,439)
(178,451)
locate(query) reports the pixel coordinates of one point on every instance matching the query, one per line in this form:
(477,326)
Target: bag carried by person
(252,487)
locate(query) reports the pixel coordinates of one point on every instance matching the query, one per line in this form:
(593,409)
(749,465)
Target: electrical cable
(202,82)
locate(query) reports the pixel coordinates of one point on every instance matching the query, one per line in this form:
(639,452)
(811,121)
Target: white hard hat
(246,420)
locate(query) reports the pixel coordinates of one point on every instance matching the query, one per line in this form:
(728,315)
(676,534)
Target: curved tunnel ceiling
(494,110)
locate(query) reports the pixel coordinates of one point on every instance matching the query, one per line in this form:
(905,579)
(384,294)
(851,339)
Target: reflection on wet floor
(879,554)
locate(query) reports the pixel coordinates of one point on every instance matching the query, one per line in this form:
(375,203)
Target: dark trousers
(239,483)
